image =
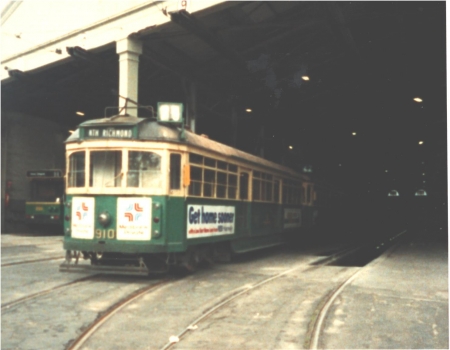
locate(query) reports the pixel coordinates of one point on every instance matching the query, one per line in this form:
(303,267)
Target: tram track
(111,311)
(319,315)
(31,244)
(8,305)
(31,261)
(245,289)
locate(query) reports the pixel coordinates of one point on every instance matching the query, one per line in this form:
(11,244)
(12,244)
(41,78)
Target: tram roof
(151,130)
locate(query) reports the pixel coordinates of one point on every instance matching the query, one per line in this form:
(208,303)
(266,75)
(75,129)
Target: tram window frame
(256,189)
(212,178)
(244,185)
(175,172)
(303,195)
(146,176)
(195,187)
(291,191)
(209,183)
(77,176)
(116,163)
(276,190)
(232,186)
(309,194)
(263,187)
(221,184)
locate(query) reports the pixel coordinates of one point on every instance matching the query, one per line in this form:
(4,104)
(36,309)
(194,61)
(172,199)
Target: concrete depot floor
(398,301)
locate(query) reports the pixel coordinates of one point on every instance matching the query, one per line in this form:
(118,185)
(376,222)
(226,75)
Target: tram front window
(76,169)
(48,190)
(106,169)
(144,170)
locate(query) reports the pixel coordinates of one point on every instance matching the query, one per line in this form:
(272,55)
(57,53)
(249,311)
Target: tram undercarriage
(146,264)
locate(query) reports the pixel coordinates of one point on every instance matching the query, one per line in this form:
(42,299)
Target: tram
(45,204)
(144,195)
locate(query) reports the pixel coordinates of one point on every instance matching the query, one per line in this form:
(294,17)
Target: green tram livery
(143,195)
(45,204)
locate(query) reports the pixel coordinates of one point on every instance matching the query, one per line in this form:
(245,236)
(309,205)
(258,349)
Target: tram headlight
(104,218)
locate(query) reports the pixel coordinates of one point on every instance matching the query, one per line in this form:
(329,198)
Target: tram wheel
(188,263)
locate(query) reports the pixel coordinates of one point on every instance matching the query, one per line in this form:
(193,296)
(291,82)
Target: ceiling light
(418,99)
(80,113)
(420,142)
(248,110)
(290,147)
(305,78)
(354,133)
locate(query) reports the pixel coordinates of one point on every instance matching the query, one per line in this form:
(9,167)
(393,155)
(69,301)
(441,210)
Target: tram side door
(244,208)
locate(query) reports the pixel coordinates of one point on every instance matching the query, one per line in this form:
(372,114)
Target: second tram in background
(44,208)
(143,195)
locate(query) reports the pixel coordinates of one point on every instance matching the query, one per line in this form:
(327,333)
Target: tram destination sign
(44,173)
(119,133)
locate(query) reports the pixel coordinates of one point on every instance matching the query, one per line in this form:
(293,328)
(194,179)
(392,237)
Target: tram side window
(175,171)
(263,186)
(309,195)
(208,183)
(243,186)
(195,188)
(291,192)
(232,186)
(256,189)
(144,170)
(106,169)
(276,191)
(221,185)
(268,187)
(76,174)
(212,178)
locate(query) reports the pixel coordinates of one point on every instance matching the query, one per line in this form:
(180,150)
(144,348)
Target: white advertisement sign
(210,220)
(292,218)
(83,210)
(134,218)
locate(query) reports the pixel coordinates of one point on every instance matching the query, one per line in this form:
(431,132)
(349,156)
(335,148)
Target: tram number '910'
(110,234)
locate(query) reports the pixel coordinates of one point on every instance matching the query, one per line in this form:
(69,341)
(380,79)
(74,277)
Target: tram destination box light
(169,112)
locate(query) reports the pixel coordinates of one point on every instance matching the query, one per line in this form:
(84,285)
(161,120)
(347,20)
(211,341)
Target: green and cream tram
(145,194)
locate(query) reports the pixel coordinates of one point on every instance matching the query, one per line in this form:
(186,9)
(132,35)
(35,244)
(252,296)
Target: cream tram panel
(83,213)
(134,219)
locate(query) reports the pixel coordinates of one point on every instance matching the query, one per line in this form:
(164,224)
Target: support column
(129,51)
